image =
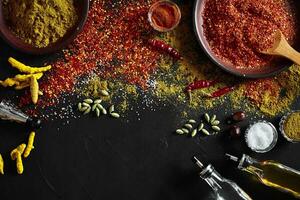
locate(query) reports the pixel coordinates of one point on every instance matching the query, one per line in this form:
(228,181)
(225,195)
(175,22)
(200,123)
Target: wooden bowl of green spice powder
(41,27)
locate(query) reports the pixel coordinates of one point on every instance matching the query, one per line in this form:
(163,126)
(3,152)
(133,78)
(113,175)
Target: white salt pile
(260,136)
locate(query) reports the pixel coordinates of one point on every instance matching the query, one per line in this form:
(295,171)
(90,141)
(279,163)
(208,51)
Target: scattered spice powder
(145,77)
(94,87)
(274,95)
(119,93)
(112,42)
(238,29)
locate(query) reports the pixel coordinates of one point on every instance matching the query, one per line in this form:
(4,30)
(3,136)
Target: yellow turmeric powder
(27,69)
(34,90)
(1,165)
(29,146)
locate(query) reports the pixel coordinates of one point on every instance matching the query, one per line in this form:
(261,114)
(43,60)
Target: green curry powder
(40,23)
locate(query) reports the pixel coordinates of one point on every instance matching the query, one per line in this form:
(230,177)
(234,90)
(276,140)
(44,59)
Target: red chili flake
(237,30)
(164,47)
(111,44)
(199,84)
(256,89)
(221,92)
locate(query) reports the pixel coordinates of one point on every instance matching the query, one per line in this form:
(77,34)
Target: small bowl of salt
(261,136)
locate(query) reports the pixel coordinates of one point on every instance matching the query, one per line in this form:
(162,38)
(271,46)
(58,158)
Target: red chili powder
(237,30)
(165,15)
(111,42)
(255,89)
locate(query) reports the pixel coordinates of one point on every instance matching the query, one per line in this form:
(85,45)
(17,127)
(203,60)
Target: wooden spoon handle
(285,49)
(281,47)
(293,55)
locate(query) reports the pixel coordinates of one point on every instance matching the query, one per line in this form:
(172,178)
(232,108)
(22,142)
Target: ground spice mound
(291,126)
(237,30)
(40,23)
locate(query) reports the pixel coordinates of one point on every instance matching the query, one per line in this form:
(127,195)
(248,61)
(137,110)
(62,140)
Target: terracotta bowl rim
(204,44)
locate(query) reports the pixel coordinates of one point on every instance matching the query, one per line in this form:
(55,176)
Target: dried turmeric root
(16,154)
(26,77)
(29,79)
(1,165)
(25,80)
(22,85)
(27,69)
(9,82)
(19,80)
(29,146)
(19,149)
(34,89)
(19,162)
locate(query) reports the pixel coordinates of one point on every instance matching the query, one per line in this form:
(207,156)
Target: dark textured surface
(111,159)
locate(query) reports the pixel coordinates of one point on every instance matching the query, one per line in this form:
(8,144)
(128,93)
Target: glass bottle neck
(246,161)
(250,165)
(212,177)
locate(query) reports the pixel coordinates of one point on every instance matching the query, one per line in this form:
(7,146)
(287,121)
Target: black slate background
(91,159)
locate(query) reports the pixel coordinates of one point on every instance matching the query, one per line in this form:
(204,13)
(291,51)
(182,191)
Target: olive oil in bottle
(271,173)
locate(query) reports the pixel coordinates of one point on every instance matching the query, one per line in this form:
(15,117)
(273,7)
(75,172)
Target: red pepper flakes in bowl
(237,30)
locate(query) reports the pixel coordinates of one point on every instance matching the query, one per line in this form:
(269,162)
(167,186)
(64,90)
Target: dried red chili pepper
(222,92)
(163,46)
(199,84)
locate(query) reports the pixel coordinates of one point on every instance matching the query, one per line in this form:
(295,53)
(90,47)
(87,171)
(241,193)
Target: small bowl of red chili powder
(234,32)
(164,16)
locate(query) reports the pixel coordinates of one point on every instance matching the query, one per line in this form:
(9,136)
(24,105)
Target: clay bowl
(250,73)
(82,7)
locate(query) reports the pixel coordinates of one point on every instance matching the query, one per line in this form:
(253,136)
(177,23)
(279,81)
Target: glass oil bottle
(223,188)
(8,112)
(271,173)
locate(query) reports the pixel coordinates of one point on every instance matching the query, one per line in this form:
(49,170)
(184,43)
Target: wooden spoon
(282,48)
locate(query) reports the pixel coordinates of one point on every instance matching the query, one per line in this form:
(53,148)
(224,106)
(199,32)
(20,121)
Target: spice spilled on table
(114,48)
